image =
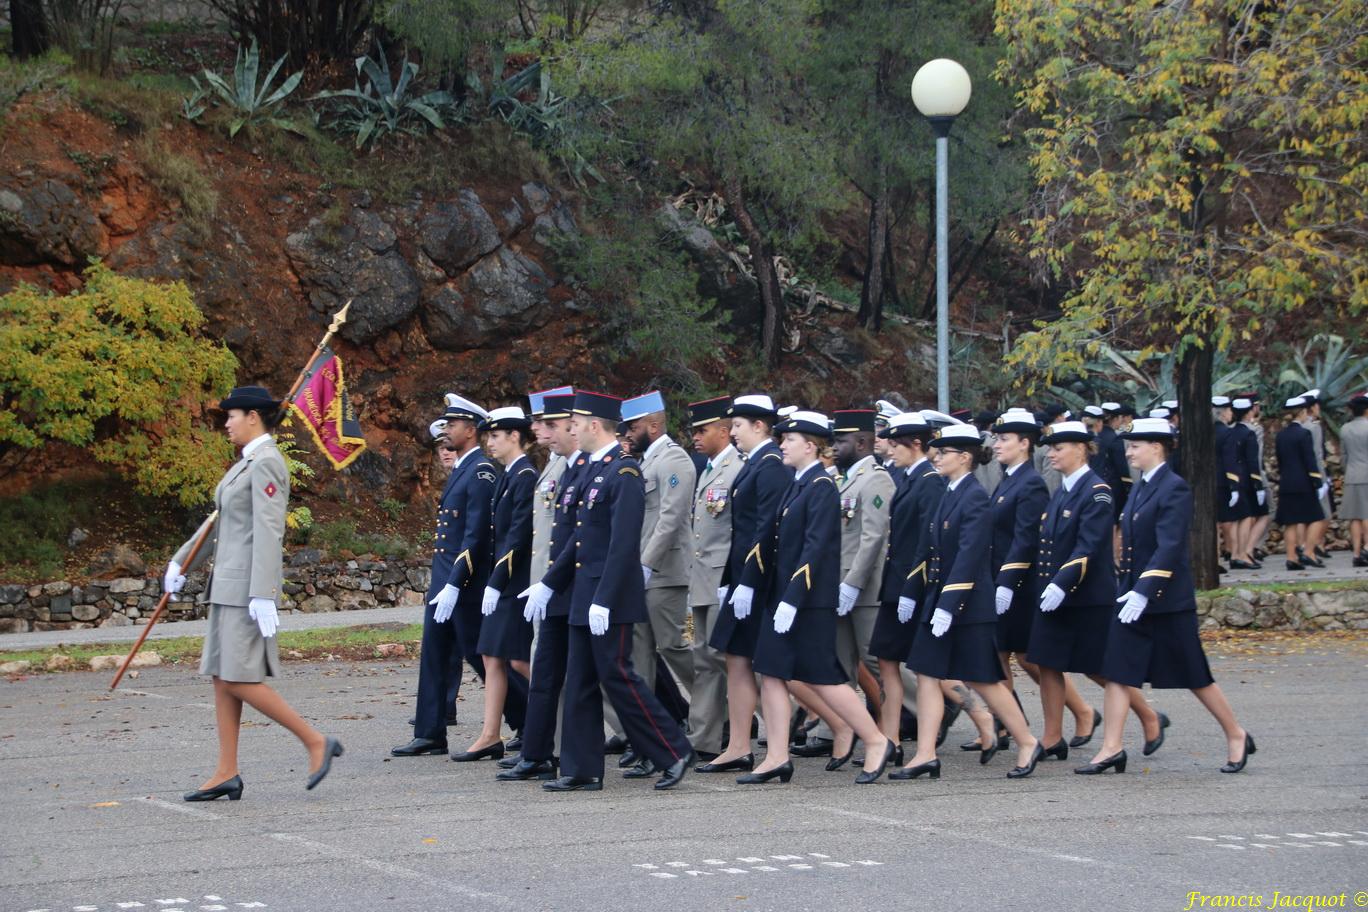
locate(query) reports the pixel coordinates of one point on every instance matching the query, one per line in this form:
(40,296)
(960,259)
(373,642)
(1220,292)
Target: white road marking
(664,874)
(130,905)
(1229,845)
(1078,858)
(735,871)
(143,693)
(385,867)
(765,868)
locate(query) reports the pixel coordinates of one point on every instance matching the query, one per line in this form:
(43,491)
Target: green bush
(34,529)
(383,105)
(341,535)
(249,103)
(119,369)
(393,508)
(180,177)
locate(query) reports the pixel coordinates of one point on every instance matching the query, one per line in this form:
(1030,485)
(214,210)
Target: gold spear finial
(340,317)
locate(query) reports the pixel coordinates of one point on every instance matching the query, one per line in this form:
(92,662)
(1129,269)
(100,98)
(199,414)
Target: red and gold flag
(322,404)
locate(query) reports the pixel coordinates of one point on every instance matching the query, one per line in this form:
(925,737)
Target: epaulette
(527,470)
(1102,484)
(771,456)
(822,477)
(629,470)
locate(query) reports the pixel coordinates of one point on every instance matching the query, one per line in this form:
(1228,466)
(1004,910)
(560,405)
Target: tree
(1200,168)
(29,36)
(305,30)
(714,90)
(118,369)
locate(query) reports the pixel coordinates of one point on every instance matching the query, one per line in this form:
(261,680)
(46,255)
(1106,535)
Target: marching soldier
(542,732)
(1300,484)
(712,536)
(884,412)
(460,563)
(1354,505)
(548,482)
(1252,494)
(601,570)
(1315,534)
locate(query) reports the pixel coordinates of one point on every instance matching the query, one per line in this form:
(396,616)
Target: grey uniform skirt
(235,650)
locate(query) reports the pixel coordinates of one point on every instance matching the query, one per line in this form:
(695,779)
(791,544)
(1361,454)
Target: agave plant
(382,106)
(250,101)
(1337,371)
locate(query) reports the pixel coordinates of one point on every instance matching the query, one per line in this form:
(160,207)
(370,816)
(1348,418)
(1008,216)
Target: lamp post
(940,90)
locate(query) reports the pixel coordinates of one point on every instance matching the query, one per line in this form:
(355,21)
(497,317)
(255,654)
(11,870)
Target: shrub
(383,106)
(116,368)
(342,535)
(180,177)
(249,102)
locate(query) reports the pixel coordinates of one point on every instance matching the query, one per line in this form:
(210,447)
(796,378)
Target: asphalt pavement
(93,818)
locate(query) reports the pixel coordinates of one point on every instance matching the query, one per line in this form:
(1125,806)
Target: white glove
(1234,498)
(1051,598)
(783,617)
(1003,599)
(490,602)
(1261,497)
(538,595)
(645,573)
(598,620)
(906,608)
(940,621)
(741,602)
(847,600)
(1324,490)
(174,580)
(721,596)
(445,602)
(1133,606)
(263,611)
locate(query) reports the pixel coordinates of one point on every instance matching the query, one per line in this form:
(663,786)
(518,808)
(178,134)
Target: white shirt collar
(255,444)
(1011,470)
(521,457)
(662,441)
(801,472)
(1072,479)
(755,449)
(955,484)
(572,457)
(1149,476)
(914,466)
(859,464)
(463,456)
(722,456)
(599,454)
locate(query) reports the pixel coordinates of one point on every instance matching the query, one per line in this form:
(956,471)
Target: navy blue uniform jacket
(463,540)
(1076,543)
(913,506)
(1247,456)
(511,529)
(755,496)
(1154,544)
(1018,503)
(807,572)
(1227,462)
(1297,473)
(601,563)
(563,526)
(956,555)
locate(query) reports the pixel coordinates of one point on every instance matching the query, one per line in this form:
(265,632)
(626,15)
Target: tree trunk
(872,291)
(29,29)
(1197,459)
(762,262)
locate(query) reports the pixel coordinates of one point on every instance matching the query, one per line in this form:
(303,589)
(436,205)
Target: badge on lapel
(715,501)
(848,508)
(1067,514)
(548,492)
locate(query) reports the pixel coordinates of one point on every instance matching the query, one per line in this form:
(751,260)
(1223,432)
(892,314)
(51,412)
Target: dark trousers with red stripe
(544,692)
(606,662)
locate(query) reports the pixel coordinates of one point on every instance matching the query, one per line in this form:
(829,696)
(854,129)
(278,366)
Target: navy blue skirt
(807,653)
(967,652)
(1297,509)
(504,634)
(1162,650)
(1071,638)
(890,639)
(1014,627)
(735,637)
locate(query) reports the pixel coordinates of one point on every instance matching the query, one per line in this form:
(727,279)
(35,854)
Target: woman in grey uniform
(244,587)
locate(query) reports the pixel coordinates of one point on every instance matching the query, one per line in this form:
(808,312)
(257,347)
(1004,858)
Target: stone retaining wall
(1264,609)
(310,586)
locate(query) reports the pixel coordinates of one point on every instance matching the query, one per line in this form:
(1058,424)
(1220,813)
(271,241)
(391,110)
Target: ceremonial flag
(322,404)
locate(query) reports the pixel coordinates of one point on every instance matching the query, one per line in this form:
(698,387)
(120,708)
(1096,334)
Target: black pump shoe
(1021,772)
(494,751)
(331,748)
(836,762)
(1060,751)
(912,772)
(814,747)
(232,789)
(783,772)
(988,753)
(1231,766)
(740,764)
(1116,761)
(1152,746)
(868,776)
(1080,740)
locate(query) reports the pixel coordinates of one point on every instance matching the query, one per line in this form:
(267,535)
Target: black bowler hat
(853,421)
(249,397)
(708,411)
(598,405)
(558,406)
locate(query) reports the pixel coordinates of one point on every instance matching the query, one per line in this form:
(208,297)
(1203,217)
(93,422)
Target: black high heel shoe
(987,753)
(1021,772)
(232,789)
(1080,740)
(836,762)
(868,776)
(912,772)
(494,751)
(1060,751)
(331,748)
(1152,746)
(1116,761)
(783,772)
(1232,767)
(727,766)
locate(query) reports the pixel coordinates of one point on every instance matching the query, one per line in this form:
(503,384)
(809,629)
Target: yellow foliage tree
(1200,169)
(116,367)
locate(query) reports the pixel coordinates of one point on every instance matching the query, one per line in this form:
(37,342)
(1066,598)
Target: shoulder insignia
(485,475)
(527,470)
(674,481)
(270,489)
(1102,497)
(628,470)
(823,477)
(771,456)
(878,502)
(1103,485)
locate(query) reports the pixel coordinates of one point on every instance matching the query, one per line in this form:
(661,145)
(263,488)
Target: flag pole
(338,320)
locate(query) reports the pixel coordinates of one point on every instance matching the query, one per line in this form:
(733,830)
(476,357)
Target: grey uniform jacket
(543,512)
(668,474)
(1354,446)
(1041,460)
(866,495)
(712,518)
(247,540)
